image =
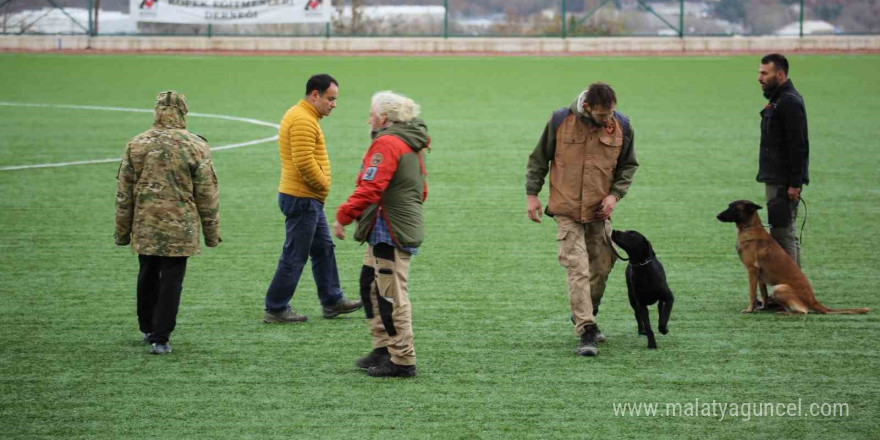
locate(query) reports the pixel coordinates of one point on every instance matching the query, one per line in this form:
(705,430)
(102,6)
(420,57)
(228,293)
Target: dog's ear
(751,207)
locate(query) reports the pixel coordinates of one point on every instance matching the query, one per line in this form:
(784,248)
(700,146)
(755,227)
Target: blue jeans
(308,235)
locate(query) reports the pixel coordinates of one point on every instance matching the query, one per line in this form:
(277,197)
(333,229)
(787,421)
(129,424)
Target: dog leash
(614,248)
(804,223)
(801,201)
(611,242)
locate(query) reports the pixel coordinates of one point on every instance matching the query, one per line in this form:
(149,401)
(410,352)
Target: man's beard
(768,91)
(592,119)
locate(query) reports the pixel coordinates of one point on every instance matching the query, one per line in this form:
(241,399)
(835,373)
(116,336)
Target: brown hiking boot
(376,357)
(343,306)
(284,316)
(587,347)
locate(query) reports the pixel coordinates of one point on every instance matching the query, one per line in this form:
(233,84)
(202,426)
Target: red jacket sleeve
(425,177)
(377,169)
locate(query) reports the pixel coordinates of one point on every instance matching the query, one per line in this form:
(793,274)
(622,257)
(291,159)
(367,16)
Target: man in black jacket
(785,151)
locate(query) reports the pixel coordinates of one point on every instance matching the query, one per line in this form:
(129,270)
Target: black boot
(390,369)
(600,337)
(587,347)
(376,357)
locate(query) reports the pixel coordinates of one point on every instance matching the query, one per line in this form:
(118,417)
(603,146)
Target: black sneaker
(284,316)
(160,348)
(376,357)
(343,306)
(587,347)
(390,369)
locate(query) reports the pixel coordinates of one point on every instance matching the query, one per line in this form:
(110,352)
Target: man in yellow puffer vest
(305,183)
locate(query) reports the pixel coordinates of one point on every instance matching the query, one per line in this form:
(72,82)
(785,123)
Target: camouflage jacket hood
(168,117)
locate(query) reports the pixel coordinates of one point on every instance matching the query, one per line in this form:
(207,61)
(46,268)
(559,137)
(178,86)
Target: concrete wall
(543,46)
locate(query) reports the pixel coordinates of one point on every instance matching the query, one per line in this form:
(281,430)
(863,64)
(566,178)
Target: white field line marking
(134,110)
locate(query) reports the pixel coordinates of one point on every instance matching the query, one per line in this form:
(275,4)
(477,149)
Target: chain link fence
(476,18)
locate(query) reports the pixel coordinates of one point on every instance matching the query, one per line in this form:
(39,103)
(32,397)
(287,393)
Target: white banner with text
(231,11)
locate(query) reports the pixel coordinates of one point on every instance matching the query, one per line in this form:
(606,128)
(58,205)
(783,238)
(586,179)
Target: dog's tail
(818,307)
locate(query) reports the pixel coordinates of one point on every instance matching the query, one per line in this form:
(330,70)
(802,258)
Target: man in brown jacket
(588,150)
(166,190)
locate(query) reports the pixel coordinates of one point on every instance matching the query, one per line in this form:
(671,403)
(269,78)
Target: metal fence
(478,18)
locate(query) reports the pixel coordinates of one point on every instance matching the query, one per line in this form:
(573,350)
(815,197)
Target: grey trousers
(785,236)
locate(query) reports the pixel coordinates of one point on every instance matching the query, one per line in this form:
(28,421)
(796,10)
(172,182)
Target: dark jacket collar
(785,87)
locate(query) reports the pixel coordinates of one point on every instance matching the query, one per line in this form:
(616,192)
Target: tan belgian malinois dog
(767,263)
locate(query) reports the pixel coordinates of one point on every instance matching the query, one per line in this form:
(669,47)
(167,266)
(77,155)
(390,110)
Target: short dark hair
(778,61)
(601,95)
(320,82)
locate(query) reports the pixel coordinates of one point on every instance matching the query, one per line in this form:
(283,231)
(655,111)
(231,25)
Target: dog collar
(751,232)
(642,263)
(752,236)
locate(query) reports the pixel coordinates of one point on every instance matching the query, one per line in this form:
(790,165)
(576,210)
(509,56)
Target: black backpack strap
(559,116)
(624,122)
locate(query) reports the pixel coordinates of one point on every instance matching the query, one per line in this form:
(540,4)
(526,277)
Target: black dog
(645,282)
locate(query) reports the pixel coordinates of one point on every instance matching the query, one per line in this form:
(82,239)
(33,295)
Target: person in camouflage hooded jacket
(166,190)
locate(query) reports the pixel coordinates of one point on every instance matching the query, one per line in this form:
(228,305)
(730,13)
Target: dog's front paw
(748,310)
(652,345)
(663,330)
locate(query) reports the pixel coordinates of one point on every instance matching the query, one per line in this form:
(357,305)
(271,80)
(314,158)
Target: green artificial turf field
(495,347)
